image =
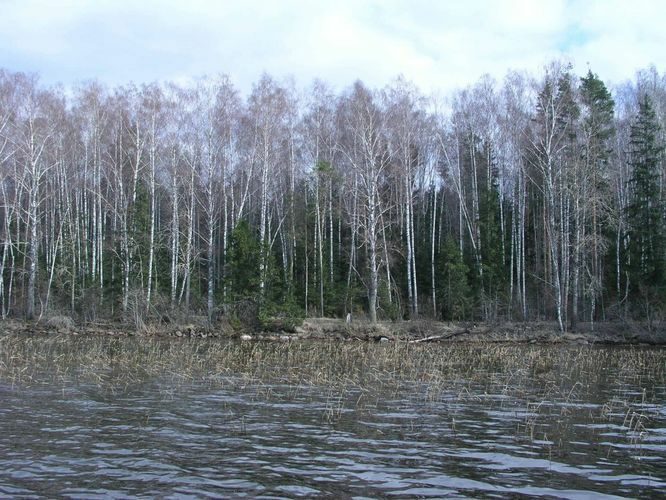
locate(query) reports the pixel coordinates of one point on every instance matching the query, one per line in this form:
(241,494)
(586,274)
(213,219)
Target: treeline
(534,198)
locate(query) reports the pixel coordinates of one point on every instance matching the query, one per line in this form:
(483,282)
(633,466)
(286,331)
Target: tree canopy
(534,197)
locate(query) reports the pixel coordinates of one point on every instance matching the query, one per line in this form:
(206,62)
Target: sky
(440,45)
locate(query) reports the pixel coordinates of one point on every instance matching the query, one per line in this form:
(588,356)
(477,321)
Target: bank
(417,331)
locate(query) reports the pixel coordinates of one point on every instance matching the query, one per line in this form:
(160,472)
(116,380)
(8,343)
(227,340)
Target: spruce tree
(453,286)
(645,212)
(598,120)
(492,253)
(243,254)
(594,220)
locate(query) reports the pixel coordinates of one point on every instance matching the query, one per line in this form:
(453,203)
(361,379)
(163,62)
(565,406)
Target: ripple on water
(493,435)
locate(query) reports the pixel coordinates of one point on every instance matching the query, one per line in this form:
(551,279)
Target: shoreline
(331,329)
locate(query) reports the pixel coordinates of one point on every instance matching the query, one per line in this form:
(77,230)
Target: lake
(87,417)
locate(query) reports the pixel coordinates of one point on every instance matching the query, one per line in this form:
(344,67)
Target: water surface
(130,418)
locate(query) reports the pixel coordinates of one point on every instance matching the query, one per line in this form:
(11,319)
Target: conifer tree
(592,193)
(453,286)
(243,254)
(645,211)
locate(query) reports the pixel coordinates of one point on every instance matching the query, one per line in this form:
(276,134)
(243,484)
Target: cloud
(438,45)
(621,37)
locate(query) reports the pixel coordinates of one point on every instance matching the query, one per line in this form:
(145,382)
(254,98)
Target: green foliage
(598,119)
(243,257)
(646,210)
(455,294)
(140,231)
(281,317)
(598,131)
(276,309)
(572,230)
(388,309)
(494,269)
(324,167)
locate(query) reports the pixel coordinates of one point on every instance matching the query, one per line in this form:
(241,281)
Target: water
(235,421)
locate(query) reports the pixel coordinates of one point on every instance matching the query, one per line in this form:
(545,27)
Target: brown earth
(523,332)
(337,329)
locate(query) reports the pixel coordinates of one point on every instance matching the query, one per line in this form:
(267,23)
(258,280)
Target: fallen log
(439,337)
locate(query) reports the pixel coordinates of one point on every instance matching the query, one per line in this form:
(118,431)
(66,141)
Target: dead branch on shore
(444,336)
(448,335)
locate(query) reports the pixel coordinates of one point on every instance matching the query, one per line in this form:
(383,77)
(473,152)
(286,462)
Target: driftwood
(444,336)
(452,334)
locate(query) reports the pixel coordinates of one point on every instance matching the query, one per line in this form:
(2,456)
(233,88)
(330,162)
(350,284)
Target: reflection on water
(544,424)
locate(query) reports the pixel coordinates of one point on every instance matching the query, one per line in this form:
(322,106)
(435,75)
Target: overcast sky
(438,44)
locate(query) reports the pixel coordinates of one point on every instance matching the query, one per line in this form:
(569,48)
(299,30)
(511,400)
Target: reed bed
(31,359)
(541,385)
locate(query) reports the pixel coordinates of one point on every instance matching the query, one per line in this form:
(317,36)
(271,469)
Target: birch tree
(35,124)
(555,110)
(267,114)
(366,151)
(406,131)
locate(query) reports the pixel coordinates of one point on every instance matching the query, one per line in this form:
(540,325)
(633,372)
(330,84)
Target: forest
(538,197)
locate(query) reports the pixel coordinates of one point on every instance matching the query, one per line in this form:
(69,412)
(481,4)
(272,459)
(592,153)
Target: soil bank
(620,333)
